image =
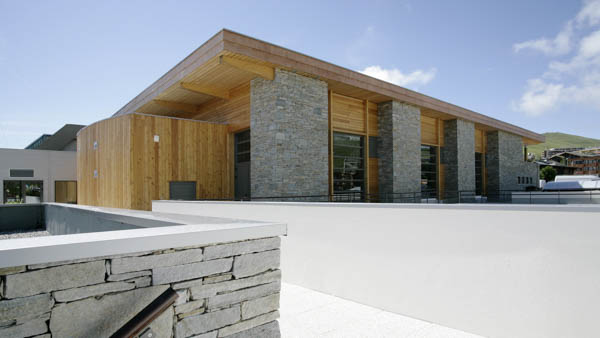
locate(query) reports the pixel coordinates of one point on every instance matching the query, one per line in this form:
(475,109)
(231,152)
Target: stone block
(129,264)
(55,278)
(128,275)
(212,334)
(189,306)
(269,330)
(26,306)
(170,274)
(141,282)
(239,248)
(205,291)
(191,313)
(90,291)
(32,317)
(28,329)
(12,270)
(239,296)
(182,297)
(252,264)
(84,260)
(207,322)
(217,278)
(248,324)
(259,306)
(101,317)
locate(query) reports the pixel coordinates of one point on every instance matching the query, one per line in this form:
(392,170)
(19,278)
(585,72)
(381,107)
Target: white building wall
(497,271)
(48,166)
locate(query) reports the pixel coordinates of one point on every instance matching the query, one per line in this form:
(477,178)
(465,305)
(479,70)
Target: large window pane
(23,191)
(348,163)
(429,170)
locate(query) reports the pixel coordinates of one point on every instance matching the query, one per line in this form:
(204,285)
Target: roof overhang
(229,59)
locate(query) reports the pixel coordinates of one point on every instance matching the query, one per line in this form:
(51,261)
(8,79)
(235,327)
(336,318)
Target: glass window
(429,170)
(23,192)
(478,173)
(348,163)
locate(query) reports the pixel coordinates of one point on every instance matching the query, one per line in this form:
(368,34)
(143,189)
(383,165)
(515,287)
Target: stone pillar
(289,136)
(400,148)
(505,163)
(458,155)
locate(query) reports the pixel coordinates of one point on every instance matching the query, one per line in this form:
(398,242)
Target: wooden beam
(263,71)
(208,90)
(185,107)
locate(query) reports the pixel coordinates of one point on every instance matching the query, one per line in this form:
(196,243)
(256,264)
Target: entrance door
(242,165)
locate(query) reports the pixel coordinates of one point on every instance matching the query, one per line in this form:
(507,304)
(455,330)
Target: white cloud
(574,81)
(560,45)
(589,14)
(396,76)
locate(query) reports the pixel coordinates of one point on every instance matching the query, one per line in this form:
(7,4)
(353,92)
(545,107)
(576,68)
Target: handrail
(147,315)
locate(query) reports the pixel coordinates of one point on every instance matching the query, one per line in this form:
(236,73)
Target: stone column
(505,163)
(400,148)
(458,155)
(289,136)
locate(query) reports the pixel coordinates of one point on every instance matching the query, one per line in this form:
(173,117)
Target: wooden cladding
(432,131)
(480,141)
(348,115)
(138,155)
(234,111)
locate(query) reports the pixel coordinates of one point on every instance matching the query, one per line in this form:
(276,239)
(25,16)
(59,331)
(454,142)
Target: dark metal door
(242,165)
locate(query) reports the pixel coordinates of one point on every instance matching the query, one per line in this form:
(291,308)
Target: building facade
(45,171)
(585,162)
(242,118)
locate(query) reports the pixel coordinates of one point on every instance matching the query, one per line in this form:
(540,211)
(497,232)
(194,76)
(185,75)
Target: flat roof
(341,80)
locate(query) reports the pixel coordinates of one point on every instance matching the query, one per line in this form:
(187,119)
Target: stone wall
(458,154)
(289,136)
(399,148)
(225,290)
(505,163)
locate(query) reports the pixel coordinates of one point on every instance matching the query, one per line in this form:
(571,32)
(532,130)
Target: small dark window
(21,172)
(182,190)
(373,147)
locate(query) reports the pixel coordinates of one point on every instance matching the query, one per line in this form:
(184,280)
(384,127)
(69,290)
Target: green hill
(560,140)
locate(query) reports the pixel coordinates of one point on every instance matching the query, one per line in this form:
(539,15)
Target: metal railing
(148,314)
(432,197)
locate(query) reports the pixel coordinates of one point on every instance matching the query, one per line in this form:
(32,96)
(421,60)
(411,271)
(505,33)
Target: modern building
(45,171)
(548,153)
(240,117)
(585,162)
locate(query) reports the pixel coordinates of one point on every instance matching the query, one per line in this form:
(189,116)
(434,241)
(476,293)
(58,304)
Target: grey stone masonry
(400,148)
(505,163)
(458,154)
(232,290)
(289,136)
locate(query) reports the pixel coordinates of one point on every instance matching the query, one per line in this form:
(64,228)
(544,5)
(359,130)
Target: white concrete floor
(306,313)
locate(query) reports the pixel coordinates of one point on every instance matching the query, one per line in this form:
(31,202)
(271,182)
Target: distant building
(585,162)
(548,153)
(45,171)
(561,169)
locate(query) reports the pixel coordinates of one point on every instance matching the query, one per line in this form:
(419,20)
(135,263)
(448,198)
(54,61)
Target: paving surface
(23,234)
(306,313)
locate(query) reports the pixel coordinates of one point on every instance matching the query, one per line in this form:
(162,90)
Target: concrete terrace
(309,314)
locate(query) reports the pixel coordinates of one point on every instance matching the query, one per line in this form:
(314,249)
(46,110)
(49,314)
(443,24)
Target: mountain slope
(560,140)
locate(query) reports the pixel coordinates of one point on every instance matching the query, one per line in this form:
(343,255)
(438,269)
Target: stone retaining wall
(225,290)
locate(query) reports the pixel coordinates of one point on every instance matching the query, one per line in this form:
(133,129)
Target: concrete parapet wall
(225,289)
(493,270)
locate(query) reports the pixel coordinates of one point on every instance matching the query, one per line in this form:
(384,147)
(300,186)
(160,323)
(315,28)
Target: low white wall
(564,197)
(48,166)
(498,271)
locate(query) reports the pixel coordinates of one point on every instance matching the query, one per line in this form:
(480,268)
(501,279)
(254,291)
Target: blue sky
(535,64)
